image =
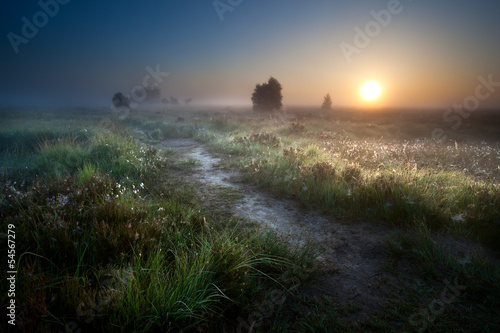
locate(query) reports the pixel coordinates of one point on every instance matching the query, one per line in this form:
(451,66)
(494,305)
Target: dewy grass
(400,194)
(110,244)
(107,241)
(57,159)
(86,174)
(184,271)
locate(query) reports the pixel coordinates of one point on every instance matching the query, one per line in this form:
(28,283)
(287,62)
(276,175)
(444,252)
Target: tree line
(266,97)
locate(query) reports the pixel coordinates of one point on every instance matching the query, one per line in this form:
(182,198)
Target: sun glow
(371,90)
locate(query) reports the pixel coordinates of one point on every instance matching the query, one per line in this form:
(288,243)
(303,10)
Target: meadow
(111,234)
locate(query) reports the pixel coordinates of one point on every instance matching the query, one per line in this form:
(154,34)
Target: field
(217,220)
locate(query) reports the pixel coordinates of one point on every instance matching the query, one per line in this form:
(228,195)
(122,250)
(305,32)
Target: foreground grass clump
(105,242)
(90,255)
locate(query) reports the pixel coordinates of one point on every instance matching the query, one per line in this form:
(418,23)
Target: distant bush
(120,100)
(327,103)
(267,96)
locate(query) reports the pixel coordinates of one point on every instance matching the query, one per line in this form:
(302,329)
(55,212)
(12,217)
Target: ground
(357,223)
(354,256)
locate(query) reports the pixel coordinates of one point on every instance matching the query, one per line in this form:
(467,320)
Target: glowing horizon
(423,55)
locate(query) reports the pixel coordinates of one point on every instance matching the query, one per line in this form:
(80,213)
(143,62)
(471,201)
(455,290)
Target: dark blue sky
(430,53)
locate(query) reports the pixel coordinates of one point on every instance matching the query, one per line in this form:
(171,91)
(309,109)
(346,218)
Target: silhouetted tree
(120,100)
(327,103)
(267,96)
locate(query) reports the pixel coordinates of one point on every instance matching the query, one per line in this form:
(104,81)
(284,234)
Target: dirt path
(354,255)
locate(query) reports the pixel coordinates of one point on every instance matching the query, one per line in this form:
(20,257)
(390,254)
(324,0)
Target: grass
(346,177)
(443,294)
(106,242)
(110,238)
(412,183)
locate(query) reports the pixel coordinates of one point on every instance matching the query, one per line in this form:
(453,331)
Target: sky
(424,54)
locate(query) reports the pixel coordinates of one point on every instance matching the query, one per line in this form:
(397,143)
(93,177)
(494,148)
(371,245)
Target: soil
(353,258)
(353,265)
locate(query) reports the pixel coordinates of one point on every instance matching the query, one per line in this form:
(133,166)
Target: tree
(120,100)
(327,103)
(267,96)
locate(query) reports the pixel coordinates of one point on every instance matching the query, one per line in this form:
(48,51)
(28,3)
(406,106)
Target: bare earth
(354,259)
(354,255)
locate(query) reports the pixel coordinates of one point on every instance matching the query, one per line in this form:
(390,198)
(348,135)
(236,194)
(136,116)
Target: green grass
(402,194)
(107,240)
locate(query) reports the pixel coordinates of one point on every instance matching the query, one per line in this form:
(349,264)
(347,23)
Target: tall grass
(400,193)
(105,242)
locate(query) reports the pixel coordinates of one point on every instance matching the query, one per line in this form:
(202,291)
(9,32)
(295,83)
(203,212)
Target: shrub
(267,96)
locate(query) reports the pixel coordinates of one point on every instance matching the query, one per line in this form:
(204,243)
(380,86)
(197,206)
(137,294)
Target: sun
(371,90)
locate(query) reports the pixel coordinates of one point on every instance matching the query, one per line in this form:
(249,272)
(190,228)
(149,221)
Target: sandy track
(354,254)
